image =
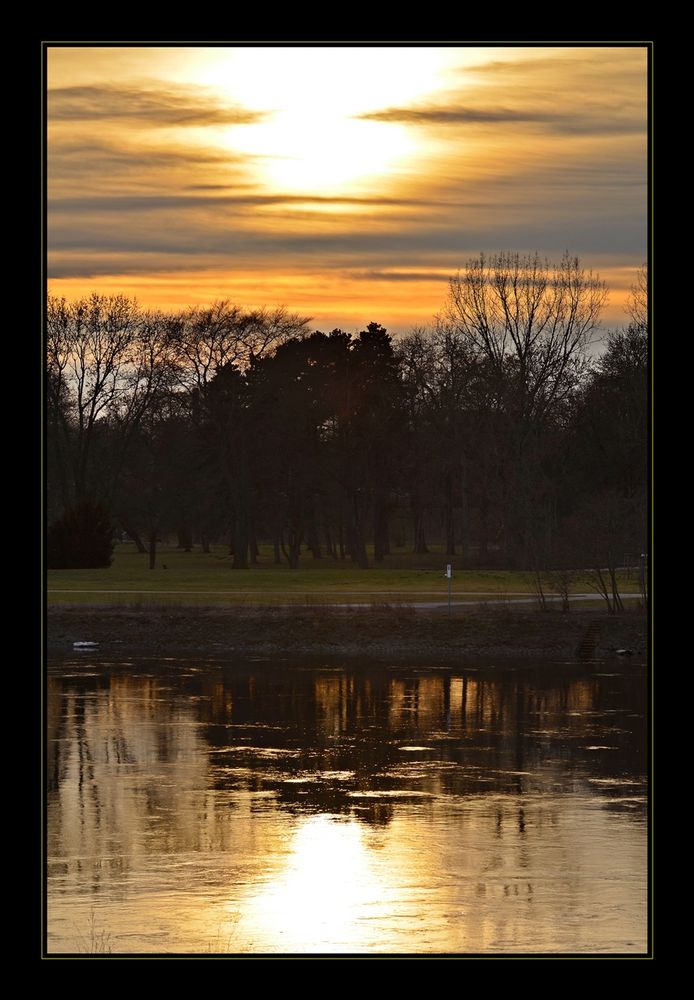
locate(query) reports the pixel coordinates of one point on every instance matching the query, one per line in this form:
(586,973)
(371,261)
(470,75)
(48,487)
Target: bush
(80,539)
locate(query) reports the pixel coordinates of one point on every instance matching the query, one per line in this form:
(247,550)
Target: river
(279,806)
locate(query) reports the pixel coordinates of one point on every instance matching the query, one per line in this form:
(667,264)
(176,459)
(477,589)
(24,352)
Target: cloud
(588,121)
(149,105)
(85,165)
(577,59)
(191,239)
(89,157)
(83,204)
(403,276)
(601,60)
(585,203)
(581,91)
(127,199)
(97,265)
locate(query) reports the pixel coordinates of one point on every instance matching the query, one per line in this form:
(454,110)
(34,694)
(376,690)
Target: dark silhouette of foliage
(498,435)
(81,538)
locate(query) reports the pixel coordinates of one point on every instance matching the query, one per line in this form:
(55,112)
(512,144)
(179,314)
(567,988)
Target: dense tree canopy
(500,433)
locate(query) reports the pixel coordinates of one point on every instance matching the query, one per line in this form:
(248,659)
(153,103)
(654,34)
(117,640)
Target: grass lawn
(196,577)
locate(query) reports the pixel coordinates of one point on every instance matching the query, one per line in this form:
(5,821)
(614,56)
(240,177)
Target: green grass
(195,577)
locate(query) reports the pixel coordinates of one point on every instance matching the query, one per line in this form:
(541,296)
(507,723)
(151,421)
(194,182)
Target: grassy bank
(207,578)
(392,631)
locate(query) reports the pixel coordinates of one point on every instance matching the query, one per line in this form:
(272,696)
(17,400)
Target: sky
(346,183)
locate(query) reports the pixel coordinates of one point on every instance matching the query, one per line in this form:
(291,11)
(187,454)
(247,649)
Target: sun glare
(310,136)
(313,152)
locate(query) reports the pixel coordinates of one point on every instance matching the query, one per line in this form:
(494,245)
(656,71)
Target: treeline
(497,432)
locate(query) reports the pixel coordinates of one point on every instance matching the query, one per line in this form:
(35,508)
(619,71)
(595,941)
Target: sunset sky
(348,184)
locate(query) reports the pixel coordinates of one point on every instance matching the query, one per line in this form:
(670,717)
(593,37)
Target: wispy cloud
(178,202)
(123,153)
(588,121)
(192,236)
(593,60)
(149,105)
(581,92)
(396,276)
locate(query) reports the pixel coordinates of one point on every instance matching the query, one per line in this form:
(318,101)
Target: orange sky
(345,183)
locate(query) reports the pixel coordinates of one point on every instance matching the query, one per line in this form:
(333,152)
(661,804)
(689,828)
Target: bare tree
(207,339)
(531,321)
(147,380)
(526,324)
(637,304)
(562,581)
(92,347)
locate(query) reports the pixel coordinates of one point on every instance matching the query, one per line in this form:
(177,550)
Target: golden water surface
(271,807)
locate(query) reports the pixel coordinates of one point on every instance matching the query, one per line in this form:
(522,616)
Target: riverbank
(393,631)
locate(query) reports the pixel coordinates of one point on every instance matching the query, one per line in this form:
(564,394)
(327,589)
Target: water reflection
(274,808)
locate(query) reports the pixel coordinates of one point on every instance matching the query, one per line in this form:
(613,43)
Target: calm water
(271,806)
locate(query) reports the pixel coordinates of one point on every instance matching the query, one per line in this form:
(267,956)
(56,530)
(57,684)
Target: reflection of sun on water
(327,891)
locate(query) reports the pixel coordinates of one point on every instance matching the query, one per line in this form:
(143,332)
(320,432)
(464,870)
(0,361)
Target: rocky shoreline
(376,631)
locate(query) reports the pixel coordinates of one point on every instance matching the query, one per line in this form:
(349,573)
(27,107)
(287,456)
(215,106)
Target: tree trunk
(132,533)
(241,541)
(483,546)
(314,542)
(184,538)
(465,516)
(539,590)
(205,542)
(450,516)
(355,536)
(330,548)
(242,518)
(420,545)
(292,549)
(616,599)
(381,544)
(599,584)
(152,548)
(255,552)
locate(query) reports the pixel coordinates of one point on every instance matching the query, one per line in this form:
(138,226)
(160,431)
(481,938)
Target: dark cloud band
(151,106)
(567,122)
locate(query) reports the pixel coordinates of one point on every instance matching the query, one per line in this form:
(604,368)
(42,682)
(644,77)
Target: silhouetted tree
(214,347)
(106,361)
(417,358)
(496,432)
(528,324)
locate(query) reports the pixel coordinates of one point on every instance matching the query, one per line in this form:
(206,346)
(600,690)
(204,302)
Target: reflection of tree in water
(145,757)
(124,760)
(490,729)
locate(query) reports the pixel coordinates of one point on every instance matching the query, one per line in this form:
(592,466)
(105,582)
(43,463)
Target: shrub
(80,539)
